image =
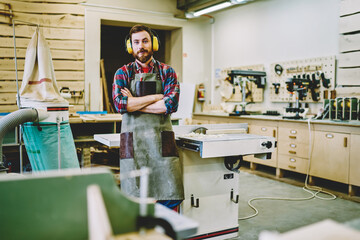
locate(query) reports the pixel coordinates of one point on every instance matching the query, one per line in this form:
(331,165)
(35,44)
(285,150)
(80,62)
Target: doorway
(114,53)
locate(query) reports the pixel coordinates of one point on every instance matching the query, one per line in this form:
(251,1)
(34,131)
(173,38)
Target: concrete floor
(282,216)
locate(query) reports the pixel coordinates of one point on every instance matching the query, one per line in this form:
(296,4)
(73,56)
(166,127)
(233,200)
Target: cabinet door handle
(292,167)
(329,135)
(292,152)
(345,141)
(274,133)
(292,137)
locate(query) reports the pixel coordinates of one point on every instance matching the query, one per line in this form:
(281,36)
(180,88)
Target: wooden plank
(49,33)
(349,42)
(349,23)
(351,59)
(349,7)
(30,7)
(10,86)
(60,75)
(9,64)
(55,1)
(106,98)
(7,98)
(348,76)
(57,21)
(348,91)
(8,108)
(55,54)
(53,44)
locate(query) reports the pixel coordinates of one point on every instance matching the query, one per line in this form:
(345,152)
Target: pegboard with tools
(317,75)
(253,92)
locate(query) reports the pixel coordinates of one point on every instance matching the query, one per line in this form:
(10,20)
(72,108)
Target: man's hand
(126,92)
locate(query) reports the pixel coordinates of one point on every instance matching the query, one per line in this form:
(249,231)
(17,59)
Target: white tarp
(39,82)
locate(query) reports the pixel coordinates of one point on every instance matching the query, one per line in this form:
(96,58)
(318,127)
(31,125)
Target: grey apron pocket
(126,145)
(145,88)
(168,144)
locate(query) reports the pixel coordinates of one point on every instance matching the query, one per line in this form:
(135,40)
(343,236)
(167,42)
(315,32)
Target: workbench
(334,153)
(83,127)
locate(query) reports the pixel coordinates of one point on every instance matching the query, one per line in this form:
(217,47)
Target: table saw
(210,169)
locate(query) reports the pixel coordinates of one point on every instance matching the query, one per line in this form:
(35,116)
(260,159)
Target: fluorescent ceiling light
(238,1)
(212,9)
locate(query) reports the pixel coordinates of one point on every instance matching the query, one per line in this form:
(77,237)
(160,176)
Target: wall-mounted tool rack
(256,94)
(320,71)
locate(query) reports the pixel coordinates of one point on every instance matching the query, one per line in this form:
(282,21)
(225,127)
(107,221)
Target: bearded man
(146,92)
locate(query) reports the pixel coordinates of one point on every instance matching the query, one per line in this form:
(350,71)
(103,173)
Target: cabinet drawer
(296,134)
(295,164)
(263,130)
(293,149)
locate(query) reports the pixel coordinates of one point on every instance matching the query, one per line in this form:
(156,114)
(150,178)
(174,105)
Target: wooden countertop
(95,118)
(353,123)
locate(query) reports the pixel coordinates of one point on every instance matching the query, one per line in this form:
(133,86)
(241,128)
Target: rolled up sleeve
(120,101)
(171,91)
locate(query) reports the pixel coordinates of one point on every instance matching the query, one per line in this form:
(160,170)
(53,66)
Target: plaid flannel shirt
(170,85)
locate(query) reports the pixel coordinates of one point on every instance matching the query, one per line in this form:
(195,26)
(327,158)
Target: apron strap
(132,75)
(156,70)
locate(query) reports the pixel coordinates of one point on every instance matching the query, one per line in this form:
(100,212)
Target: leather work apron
(148,140)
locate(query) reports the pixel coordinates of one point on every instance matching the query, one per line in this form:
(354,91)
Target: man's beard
(146,55)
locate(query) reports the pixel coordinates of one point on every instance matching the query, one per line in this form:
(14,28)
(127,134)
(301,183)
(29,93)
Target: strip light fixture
(214,8)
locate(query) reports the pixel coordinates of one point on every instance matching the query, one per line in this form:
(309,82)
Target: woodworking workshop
(180,119)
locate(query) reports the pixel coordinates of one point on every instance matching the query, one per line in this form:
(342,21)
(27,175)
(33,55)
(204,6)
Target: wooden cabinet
(354,173)
(261,128)
(335,153)
(293,147)
(330,156)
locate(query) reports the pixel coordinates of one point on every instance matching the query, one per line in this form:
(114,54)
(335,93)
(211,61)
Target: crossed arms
(148,104)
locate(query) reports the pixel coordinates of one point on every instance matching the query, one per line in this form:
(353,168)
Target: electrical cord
(306,187)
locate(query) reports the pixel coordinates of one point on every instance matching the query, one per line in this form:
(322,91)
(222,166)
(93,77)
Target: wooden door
(354,173)
(330,156)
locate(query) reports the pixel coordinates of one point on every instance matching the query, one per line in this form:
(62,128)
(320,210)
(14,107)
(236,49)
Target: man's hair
(140,28)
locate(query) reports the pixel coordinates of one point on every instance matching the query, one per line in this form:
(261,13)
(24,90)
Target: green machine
(54,205)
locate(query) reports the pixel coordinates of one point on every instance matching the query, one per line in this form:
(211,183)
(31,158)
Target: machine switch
(267,144)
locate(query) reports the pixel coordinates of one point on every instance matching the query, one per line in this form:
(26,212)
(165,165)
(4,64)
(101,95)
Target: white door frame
(95,16)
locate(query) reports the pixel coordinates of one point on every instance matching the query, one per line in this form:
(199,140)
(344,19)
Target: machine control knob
(267,144)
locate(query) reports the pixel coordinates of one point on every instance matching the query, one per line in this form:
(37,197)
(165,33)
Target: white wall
(268,31)
(261,32)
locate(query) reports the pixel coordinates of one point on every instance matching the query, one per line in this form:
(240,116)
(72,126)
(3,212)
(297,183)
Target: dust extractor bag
(39,83)
(39,89)
(41,142)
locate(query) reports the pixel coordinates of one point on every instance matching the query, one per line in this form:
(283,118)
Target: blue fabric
(170,203)
(41,142)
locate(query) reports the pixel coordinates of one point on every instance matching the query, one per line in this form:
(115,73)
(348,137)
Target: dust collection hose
(12,120)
